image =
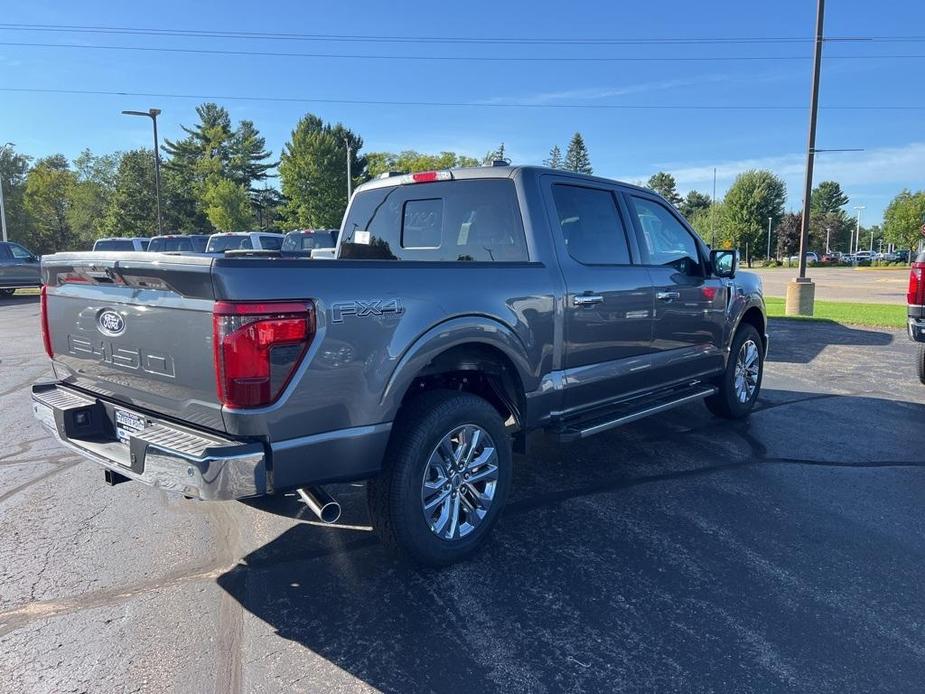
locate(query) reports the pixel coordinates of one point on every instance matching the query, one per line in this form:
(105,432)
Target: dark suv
(19,268)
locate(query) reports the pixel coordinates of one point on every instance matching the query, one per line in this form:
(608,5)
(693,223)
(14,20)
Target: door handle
(587,300)
(668,296)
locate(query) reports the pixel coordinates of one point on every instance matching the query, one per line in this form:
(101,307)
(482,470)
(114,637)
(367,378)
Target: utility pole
(349,176)
(2,207)
(153,113)
(769,238)
(828,232)
(801,292)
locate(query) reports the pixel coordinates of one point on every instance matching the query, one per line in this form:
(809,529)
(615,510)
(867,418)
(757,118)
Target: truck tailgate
(136,328)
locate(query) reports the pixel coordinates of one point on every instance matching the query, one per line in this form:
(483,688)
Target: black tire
(395,496)
(920,362)
(726,402)
(7,292)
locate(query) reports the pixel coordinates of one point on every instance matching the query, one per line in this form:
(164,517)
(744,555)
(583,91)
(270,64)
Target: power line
(472,104)
(428,58)
(506,40)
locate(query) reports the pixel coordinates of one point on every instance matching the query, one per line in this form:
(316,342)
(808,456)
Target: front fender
(446,335)
(745,293)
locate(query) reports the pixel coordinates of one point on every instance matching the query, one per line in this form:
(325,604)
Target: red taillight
(258,347)
(46,333)
(428,177)
(916,294)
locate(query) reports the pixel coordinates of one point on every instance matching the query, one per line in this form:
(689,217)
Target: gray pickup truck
(464,309)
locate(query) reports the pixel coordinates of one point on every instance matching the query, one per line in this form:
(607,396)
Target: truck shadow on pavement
(682,552)
(804,340)
(19,299)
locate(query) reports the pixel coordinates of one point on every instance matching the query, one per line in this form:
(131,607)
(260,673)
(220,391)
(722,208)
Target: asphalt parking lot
(678,553)
(876,286)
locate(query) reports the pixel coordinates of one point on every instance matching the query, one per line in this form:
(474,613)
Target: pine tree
(555,158)
(494,155)
(576,158)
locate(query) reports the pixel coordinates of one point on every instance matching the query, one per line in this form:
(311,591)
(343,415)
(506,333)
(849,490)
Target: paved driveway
(843,283)
(680,553)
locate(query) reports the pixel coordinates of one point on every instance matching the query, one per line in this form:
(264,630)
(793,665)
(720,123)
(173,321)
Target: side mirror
(724,263)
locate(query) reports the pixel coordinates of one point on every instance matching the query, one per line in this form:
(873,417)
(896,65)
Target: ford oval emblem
(110,323)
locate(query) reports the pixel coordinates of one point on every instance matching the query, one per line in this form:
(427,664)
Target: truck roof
(476,172)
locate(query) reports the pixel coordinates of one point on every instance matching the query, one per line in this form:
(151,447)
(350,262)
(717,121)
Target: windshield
(114,245)
(228,242)
(307,242)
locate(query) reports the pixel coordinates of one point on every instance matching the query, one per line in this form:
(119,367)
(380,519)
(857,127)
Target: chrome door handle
(668,296)
(587,300)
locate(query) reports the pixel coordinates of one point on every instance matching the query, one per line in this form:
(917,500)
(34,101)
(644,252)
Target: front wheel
(741,381)
(445,480)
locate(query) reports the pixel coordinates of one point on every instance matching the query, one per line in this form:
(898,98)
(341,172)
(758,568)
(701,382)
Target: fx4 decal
(362,309)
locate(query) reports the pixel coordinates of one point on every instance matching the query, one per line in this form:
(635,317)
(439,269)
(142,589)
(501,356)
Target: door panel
(608,309)
(689,305)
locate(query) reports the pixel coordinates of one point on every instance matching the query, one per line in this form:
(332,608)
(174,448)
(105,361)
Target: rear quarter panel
(379,321)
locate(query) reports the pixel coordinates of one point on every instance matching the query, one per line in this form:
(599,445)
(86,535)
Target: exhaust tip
(321,503)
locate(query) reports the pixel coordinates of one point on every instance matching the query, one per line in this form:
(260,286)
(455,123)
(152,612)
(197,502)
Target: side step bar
(583,429)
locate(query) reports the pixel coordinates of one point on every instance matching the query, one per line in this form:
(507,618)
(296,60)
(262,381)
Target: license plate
(128,423)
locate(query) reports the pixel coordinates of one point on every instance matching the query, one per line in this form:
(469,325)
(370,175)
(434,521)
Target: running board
(586,428)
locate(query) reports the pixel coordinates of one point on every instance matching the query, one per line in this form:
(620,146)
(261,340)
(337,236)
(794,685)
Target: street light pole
(801,291)
(857,233)
(349,175)
(2,207)
(769,238)
(153,113)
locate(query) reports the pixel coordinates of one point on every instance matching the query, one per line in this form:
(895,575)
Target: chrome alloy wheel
(459,482)
(748,368)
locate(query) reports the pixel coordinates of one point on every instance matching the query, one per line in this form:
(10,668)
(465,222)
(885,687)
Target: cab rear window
(114,245)
(455,221)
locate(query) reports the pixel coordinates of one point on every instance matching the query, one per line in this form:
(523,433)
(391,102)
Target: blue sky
(625,144)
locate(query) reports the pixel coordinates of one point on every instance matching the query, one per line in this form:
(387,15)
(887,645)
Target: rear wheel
(445,480)
(920,362)
(741,382)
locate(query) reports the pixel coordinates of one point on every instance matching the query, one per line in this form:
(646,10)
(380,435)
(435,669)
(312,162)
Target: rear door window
(591,227)
(19,252)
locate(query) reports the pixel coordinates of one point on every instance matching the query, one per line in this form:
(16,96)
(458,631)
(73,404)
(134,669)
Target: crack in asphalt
(59,467)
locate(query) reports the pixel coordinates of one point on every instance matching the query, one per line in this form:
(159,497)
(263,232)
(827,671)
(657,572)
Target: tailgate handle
(668,296)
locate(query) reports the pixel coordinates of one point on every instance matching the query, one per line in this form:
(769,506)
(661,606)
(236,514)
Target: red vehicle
(916,311)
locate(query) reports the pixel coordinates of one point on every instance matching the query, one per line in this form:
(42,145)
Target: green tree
(47,200)
(212,148)
(787,234)
(831,227)
(754,196)
(903,219)
(828,197)
(709,222)
(576,157)
(313,172)
(410,161)
(94,187)
(664,184)
(133,204)
(693,203)
(555,158)
(228,205)
(13,169)
(495,155)
(269,205)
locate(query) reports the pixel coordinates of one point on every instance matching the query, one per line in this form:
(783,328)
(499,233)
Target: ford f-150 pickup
(463,309)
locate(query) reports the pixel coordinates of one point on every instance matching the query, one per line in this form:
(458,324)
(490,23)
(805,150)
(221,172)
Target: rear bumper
(916,327)
(163,454)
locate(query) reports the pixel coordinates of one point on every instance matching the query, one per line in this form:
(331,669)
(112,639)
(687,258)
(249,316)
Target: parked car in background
(863,257)
(902,256)
(310,239)
(244,240)
(915,299)
(179,243)
(811,258)
(135,243)
(885,257)
(19,268)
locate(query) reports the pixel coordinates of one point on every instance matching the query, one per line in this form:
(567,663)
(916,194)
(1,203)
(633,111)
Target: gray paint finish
(568,357)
